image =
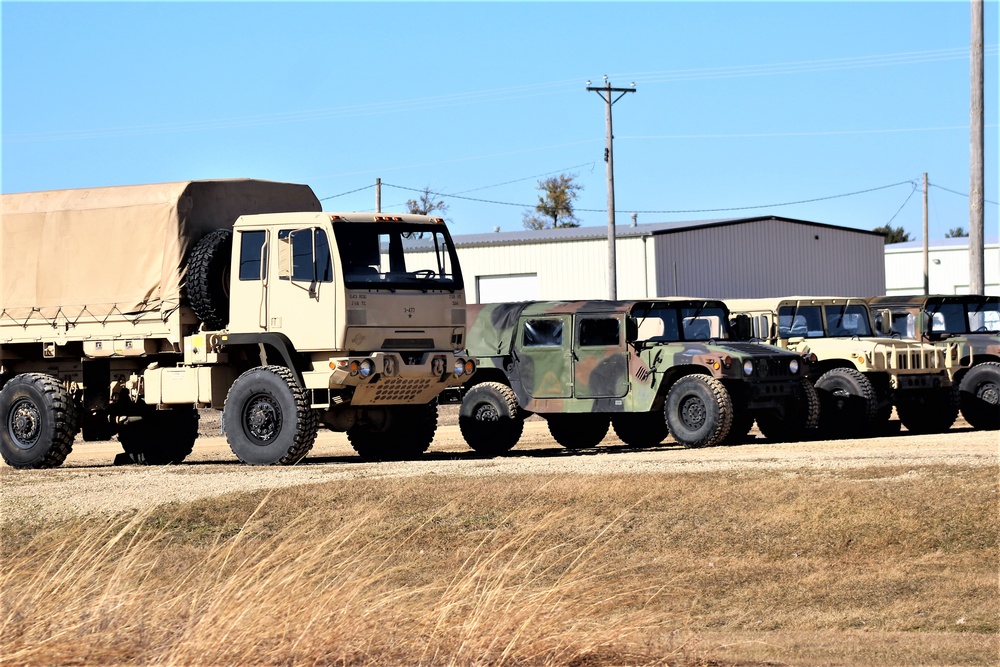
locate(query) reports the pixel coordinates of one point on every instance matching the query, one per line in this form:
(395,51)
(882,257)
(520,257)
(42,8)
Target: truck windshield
(961,318)
(673,323)
(397,256)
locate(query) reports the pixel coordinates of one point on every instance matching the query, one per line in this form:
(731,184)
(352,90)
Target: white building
(948,267)
(729,258)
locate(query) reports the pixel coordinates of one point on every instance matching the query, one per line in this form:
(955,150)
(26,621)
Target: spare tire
(208,278)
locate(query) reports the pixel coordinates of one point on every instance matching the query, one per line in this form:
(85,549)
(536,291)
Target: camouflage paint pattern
(913,318)
(601,363)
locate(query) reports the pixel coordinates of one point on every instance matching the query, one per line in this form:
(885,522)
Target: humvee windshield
(674,323)
(808,321)
(963,318)
(373,257)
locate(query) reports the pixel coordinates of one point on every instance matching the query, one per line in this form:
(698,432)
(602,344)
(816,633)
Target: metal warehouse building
(728,258)
(947,269)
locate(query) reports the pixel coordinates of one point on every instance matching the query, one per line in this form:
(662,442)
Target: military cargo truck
(124,309)
(647,367)
(858,375)
(968,318)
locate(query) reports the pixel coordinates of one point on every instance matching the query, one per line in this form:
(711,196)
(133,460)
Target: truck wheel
(267,418)
(801,416)
(407,433)
(640,429)
(699,411)
(847,400)
(208,278)
(979,396)
(931,411)
(160,437)
(39,421)
(578,430)
(489,419)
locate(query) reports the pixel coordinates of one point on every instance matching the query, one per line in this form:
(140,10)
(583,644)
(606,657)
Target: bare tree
(426,204)
(555,205)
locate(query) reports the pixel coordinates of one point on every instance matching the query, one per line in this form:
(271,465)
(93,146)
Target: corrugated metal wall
(769,258)
(948,269)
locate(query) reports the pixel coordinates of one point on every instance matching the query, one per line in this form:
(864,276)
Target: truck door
(600,359)
(301,294)
(544,355)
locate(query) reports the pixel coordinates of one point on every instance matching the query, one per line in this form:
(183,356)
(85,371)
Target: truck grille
(401,390)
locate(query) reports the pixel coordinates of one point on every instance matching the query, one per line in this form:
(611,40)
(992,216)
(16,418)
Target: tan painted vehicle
(858,375)
(124,309)
(646,367)
(967,318)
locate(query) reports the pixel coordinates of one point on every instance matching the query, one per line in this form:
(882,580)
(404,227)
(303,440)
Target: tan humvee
(122,310)
(858,374)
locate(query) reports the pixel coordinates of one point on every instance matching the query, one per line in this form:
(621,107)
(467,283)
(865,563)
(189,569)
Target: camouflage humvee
(858,375)
(968,318)
(647,367)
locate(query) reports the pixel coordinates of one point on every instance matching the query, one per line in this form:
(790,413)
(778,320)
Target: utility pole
(977,282)
(606,92)
(927,282)
(378,195)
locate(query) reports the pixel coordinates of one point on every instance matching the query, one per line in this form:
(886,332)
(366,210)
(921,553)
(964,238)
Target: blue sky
(737,105)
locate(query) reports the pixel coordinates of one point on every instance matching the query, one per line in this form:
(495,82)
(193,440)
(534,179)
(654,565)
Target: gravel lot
(89,483)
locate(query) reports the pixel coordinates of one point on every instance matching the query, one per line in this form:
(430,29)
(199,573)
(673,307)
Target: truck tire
(208,278)
(640,429)
(979,396)
(800,418)
(160,437)
(578,430)
(407,433)
(698,411)
(489,418)
(929,411)
(39,421)
(267,418)
(848,403)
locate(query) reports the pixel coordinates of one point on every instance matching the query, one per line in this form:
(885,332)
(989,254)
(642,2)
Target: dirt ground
(90,483)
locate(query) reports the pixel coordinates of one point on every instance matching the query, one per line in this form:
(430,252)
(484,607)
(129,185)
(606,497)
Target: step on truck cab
(124,309)
(645,367)
(971,319)
(859,373)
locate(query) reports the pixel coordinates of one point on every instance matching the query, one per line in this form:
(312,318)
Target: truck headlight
(748,367)
(793,366)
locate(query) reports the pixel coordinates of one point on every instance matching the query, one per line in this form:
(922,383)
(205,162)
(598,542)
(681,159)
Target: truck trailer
(123,310)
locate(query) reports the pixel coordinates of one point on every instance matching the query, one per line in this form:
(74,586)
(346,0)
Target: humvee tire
(489,419)
(407,433)
(698,410)
(161,437)
(795,425)
(578,430)
(38,421)
(267,418)
(931,411)
(979,396)
(208,278)
(640,429)
(848,402)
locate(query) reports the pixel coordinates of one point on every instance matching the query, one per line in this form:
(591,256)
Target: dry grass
(861,568)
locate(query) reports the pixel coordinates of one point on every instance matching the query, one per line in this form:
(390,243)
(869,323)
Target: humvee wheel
(698,410)
(578,430)
(847,402)
(267,418)
(208,278)
(160,437)
(801,416)
(640,429)
(489,420)
(932,411)
(39,421)
(979,396)
(406,433)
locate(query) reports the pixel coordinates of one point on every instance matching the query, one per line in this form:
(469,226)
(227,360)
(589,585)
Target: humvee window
(806,321)
(847,321)
(984,317)
(599,332)
(542,332)
(251,246)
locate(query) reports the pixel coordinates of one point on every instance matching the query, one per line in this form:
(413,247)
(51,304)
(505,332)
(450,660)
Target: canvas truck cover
(98,251)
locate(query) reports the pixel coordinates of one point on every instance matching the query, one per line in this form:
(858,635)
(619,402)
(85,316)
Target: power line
(960,194)
(351,192)
(905,201)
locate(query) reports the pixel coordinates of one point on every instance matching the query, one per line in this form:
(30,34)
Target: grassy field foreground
(855,567)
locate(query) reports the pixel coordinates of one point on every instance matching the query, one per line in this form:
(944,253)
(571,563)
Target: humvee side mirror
(741,327)
(883,322)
